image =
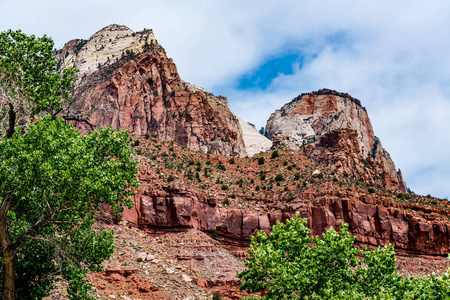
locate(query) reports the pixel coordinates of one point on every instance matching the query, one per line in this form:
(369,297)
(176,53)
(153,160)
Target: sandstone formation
(254,141)
(144,94)
(105,47)
(373,220)
(310,119)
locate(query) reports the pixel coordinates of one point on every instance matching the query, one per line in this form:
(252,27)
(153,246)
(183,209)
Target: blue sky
(392,55)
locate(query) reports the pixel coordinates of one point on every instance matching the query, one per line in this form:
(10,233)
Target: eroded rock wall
(144,94)
(372,219)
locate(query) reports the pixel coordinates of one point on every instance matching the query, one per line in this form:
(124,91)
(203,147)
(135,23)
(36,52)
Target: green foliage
(170,178)
(275,154)
(216,296)
(221,166)
(56,179)
(260,160)
(279,177)
(290,264)
(262,176)
(29,79)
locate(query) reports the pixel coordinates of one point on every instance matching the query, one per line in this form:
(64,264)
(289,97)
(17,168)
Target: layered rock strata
(314,116)
(372,219)
(144,94)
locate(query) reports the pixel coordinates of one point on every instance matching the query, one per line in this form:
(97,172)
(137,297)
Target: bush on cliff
(290,264)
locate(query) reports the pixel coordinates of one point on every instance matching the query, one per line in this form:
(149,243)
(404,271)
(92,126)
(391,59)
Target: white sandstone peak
(107,46)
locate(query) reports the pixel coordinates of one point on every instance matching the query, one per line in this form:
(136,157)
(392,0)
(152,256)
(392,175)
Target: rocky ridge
(143,93)
(310,120)
(105,47)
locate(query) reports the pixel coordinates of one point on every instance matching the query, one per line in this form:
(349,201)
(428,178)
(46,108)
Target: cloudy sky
(392,55)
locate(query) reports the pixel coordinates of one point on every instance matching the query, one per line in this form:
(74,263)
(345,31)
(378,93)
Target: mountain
(333,128)
(197,208)
(128,82)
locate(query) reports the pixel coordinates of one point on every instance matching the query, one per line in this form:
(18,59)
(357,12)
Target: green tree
(52,178)
(29,83)
(52,181)
(290,264)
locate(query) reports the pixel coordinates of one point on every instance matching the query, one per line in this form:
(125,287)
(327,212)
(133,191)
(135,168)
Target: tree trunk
(12,121)
(9,284)
(9,273)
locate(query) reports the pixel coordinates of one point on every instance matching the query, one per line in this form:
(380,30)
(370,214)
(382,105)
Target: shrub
(226,201)
(221,166)
(224,187)
(371,190)
(279,177)
(261,160)
(170,178)
(232,160)
(275,154)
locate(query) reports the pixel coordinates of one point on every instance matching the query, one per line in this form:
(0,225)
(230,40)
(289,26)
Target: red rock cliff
(145,95)
(373,220)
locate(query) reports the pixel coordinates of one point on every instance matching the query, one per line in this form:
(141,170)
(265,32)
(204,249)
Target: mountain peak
(105,47)
(312,117)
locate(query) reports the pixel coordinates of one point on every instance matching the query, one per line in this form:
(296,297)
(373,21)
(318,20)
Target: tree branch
(38,224)
(5,207)
(5,240)
(79,119)
(12,121)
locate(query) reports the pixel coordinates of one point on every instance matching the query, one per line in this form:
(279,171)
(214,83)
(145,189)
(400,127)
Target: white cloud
(392,55)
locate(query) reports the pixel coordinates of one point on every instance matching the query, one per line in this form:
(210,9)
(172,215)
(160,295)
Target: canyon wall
(372,219)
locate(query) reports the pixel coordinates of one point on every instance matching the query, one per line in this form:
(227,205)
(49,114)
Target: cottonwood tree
(52,178)
(290,264)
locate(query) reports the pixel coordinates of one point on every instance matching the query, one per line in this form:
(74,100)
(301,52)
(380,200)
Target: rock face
(105,47)
(372,219)
(254,141)
(144,94)
(310,119)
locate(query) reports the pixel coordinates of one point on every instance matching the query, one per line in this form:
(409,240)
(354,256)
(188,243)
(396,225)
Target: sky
(394,56)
